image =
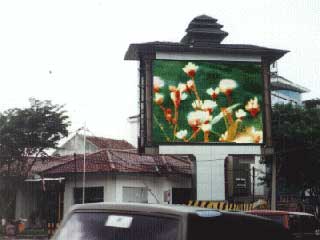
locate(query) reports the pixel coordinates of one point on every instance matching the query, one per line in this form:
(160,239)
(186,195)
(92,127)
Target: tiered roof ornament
(204,30)
(204,35)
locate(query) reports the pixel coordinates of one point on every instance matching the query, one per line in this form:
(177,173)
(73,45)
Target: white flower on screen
(158,98)
(190,85)
(182,134)
(253,107)
(240,114)
(190,69)
(197,118)
(157,83)
(208,105)
(227,85)
(224,137)
(197,104)
(178,94)
(182,87)
(206,127)
(213,92)
(251,135)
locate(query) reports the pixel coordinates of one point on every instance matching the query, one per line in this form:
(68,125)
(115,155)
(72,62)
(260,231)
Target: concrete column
(267,125)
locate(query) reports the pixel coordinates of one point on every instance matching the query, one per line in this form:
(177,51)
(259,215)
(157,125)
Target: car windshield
(109,226)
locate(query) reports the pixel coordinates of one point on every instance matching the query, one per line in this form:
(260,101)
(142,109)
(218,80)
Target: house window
(135,194)
(92,195)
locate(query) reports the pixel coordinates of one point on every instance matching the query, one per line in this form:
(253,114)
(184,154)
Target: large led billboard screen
(207,102)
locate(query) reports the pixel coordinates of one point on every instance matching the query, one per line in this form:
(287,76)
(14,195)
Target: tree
(25,136)
(296,138)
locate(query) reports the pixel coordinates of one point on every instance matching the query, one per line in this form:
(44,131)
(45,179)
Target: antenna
(84,164)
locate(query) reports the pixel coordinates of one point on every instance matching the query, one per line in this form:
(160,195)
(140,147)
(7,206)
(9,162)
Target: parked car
(301,225)
(163,222)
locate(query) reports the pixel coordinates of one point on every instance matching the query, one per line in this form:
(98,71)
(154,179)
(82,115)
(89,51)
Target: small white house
(111,175)
(79,144)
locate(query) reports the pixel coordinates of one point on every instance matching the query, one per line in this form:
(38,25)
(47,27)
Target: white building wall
(133,126)
(105,181)
(210,165)
(157,185)
(75,145)
(260,171)
(135,181)
(113,186)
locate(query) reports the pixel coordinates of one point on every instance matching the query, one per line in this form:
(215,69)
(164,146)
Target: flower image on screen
(205,101)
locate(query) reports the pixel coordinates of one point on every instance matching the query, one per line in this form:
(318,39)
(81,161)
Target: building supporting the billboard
(202,42)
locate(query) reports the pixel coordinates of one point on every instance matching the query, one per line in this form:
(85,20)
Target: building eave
(281,83)
(137,51)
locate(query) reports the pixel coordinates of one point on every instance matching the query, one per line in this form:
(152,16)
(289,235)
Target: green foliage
(27,133)
(250,85)
(296,138)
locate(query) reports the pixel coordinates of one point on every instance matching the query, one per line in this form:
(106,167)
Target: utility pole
(84,165)
(268,137)
(253,182)
(273,183)
(75,169)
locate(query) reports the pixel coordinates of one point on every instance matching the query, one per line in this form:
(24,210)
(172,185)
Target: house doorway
(53,201)
(241,178)
(181,195)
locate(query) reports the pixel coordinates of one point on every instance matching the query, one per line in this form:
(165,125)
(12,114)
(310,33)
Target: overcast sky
(71,51)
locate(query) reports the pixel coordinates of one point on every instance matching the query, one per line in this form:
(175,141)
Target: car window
(308,224)
(107,226)
(235,227)
(294,224)
(275,218)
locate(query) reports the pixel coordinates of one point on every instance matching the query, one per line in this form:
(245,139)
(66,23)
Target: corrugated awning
(60,179)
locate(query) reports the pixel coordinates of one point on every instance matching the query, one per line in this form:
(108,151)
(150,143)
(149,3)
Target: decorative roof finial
(203,31)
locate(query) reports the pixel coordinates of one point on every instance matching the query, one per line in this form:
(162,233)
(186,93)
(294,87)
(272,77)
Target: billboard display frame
(152,143)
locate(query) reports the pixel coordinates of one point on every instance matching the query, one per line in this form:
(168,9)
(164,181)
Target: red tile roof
(109,143)
(40,166)
(120,161)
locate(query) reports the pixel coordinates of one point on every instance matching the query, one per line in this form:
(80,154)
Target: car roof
(170,209)
(269,212)
(277,212)
(142,207)
(301,213)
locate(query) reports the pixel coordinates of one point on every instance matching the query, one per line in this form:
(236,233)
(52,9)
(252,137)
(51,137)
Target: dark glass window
(292,94)
(275,218)
(234,227)
(94,226)
(308,224)
(294,224)
(92,195)
(135,194)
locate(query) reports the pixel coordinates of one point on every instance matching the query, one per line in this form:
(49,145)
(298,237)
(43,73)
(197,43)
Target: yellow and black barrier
(223,205)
